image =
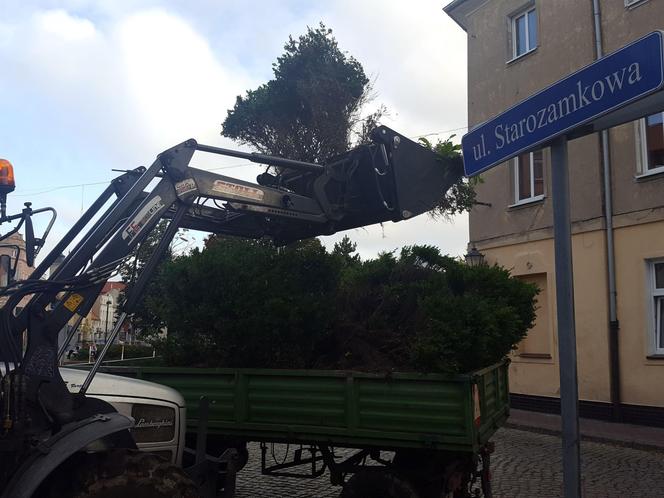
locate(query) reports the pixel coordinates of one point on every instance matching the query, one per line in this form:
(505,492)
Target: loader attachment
(421,177)
(392,179)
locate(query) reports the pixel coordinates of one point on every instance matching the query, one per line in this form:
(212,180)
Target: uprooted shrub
(427,312)
(246,304)
(240,303)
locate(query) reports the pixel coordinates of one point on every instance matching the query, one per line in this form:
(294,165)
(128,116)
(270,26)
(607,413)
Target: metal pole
(108,303)
(70,336)
(569,394)
(263,158)
(100,356)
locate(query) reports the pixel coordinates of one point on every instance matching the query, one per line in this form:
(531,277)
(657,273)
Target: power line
(80,185)
(231,166)
(439,132)
(61,187)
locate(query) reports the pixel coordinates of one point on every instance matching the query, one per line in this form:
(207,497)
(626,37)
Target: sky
(91,86)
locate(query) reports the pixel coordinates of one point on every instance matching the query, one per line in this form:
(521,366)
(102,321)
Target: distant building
(90,329)
(99,323)
(13,264)
(56,264)
(515,49)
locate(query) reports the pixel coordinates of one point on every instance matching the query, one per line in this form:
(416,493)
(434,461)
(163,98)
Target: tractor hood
(116,386)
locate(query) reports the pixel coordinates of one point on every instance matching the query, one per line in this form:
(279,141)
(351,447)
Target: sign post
(569,393)
(621,87)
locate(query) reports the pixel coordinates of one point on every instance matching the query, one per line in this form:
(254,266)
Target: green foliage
(240,303)
(428,312)
(311,107)
(481,316)
(247,303)
(461,195)
(147,318)
(347,251)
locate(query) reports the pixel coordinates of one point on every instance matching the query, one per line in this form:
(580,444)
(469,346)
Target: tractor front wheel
(119,473)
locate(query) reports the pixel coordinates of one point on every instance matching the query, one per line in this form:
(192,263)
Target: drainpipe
(614,358)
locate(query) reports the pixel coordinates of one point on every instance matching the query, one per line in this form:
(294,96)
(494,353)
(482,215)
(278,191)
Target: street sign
(597,95)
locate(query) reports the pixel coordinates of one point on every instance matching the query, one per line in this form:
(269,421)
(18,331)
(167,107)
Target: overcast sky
(87,86)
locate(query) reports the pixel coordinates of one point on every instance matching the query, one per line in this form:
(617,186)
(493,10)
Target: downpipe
(614,326)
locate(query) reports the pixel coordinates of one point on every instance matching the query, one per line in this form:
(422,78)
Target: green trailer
(435,429)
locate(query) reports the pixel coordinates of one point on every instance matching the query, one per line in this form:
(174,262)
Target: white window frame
(653,311)
(523,13)
(532,198)
(642,150)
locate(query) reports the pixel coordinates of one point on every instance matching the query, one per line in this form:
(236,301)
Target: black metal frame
(32,244)
(439,466)
(325,454)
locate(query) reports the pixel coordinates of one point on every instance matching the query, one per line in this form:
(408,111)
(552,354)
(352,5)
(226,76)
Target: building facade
(516,48)
(98,324)
(13,263)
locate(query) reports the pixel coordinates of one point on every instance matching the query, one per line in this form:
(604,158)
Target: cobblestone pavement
(525,465)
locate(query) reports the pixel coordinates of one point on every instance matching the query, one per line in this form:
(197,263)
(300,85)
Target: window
(529,177)
(651,144)
(657,305)
(524,32)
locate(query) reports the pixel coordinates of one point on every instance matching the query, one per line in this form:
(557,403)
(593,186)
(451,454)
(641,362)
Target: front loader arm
(389,180)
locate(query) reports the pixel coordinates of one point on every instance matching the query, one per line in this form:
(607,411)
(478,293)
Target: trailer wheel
(119,473)
(377,484)
(242,457)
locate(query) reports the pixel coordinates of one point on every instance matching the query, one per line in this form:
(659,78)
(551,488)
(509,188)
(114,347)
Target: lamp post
(474,257)
(108,304)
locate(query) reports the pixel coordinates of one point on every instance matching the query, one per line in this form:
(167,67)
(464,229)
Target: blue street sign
(603,87)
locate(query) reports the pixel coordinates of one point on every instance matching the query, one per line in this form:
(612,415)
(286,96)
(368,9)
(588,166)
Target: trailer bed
(343,408)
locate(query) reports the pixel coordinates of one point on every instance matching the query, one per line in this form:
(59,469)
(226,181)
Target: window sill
(634,5)
(533,358)
(519,57)
(655,172)
(527,202)
(659,356)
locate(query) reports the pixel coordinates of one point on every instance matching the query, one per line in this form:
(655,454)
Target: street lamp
(108,304)
(474,257)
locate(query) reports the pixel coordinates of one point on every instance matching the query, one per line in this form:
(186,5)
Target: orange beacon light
(6,177)
(7,184)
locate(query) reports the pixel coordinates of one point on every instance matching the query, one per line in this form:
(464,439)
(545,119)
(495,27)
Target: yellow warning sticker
(73,302)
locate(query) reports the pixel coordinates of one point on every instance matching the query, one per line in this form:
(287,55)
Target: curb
(587,437)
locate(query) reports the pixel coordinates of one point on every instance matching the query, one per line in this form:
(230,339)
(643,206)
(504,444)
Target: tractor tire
(377,484)
(119,474)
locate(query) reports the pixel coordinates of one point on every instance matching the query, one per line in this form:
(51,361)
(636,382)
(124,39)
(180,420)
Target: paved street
(525,465)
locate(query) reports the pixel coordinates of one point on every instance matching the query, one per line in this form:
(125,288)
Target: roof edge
(450,9)
(459,10)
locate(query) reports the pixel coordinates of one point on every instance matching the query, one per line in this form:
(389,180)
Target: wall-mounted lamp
(474,257)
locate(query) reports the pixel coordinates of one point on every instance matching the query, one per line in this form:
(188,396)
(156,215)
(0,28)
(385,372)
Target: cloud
(65,26)
(175,83)
(97,97)
(417,54)
(126,89)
